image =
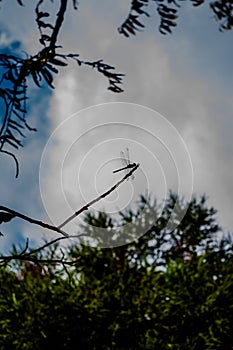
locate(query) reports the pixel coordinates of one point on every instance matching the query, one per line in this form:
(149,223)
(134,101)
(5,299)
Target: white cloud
(155,79)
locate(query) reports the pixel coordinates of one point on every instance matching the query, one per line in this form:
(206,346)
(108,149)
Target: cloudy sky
(175,116)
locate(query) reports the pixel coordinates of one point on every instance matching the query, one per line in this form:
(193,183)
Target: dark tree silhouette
(134,297)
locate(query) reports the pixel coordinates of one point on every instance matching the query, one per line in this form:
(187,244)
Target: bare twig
(33,221)
(85,207)
(47,244)
(28,256)
(103,195)
(38,261)
(15,159)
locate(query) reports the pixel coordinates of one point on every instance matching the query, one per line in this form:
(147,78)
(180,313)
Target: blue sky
(185,77)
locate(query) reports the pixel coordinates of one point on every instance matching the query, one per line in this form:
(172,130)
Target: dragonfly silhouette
(126,162)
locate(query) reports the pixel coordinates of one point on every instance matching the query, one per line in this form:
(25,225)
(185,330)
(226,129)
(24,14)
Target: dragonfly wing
(124,159)
(127,155)
(126,163)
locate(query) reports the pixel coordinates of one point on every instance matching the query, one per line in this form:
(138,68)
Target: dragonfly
(127,165)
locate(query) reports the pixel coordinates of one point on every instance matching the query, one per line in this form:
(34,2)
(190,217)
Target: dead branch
(33,221)
(103,195)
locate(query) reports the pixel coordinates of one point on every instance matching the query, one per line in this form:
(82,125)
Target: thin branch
(38,261)
(60,19)
(24,256)
(15,159)
(103,195)
(46,245)
(58,229)
(34,221)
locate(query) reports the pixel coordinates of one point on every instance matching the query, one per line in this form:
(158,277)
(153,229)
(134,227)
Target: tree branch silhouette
(32,256)
(40,67)
(103,195)
(32,221)
(60,19)
(7,214)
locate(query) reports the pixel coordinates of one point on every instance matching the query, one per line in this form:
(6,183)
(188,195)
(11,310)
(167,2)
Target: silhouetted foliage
(40,67)
(144,295)
(168,13)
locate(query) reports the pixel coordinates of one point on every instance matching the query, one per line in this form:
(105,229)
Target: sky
(175,116)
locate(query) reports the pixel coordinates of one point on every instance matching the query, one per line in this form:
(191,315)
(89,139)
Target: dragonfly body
(126,162)
(129,166)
